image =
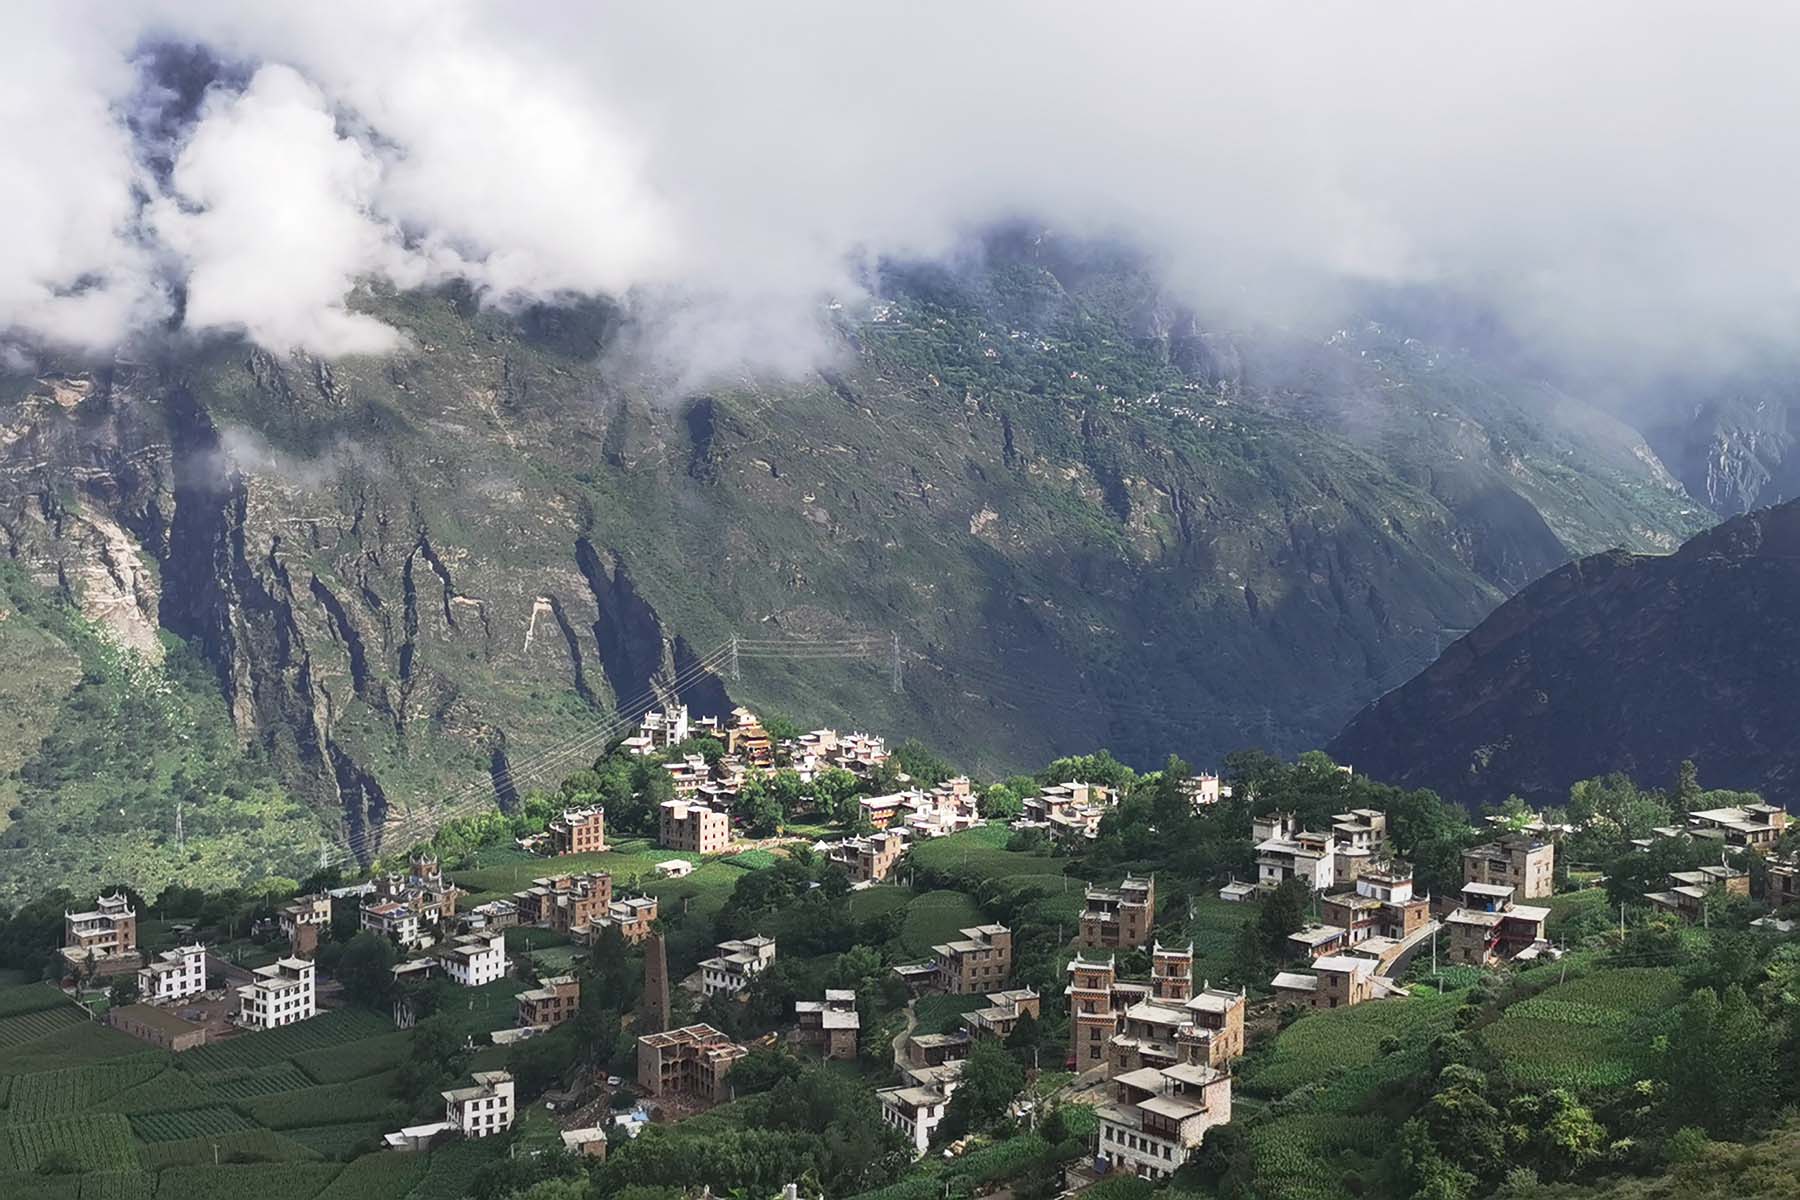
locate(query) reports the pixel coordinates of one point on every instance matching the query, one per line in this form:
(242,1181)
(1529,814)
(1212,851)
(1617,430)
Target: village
(1133,1021)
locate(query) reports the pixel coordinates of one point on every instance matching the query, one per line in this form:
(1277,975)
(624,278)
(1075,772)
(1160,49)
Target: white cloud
(1615,179)
(270,218)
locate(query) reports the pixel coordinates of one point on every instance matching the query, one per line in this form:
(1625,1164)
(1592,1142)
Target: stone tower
(656,984)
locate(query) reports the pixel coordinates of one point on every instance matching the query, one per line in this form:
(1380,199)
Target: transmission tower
(894,683)
(736,676)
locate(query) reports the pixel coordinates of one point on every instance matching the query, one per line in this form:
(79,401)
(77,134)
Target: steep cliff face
(1617,662)
(414,577)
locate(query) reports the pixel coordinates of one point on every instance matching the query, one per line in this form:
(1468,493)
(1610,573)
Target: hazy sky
(1618,179)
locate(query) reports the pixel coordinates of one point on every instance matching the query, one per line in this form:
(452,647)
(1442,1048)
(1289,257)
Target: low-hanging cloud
(1615,179)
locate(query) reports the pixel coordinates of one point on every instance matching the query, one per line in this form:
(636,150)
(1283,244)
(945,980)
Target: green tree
(1687,786)
(123,991)
(1718,1062)
(990,1082)
(365,967)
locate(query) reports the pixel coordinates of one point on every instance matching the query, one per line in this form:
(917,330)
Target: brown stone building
(1118,918)
(1489,928)
(578,831)
(566,903)
(1003,1013)
(102,941)
(829,1026)
(1520,861)
(1124,1024)
(551,1002)
(1381,906)
(632,917)
(746,738)
(869,859)
(695,828)
(694,1061)
(1689,891)
(975,963)
(1784,882)
(1337,981)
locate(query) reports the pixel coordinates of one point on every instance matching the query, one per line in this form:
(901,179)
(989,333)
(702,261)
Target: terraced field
(1346,1038)
(1588,1033)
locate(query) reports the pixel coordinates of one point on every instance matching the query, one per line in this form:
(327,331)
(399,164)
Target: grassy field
(943,1014)
(631,863)
(272,1115)
(1348,1037)
(1214,929)
(981,851)
(878,901)
(935,918)
(1587,1033)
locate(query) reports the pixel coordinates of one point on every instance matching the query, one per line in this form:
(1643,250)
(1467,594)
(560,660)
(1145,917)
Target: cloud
(1614,180)
(269,215)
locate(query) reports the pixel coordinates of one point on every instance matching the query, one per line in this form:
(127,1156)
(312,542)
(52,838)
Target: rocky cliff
(1090,518)
(1617,662)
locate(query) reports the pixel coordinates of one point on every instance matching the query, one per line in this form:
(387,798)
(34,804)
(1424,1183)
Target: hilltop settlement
(734,955)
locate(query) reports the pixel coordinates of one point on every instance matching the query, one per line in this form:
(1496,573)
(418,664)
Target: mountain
(1089,516)
(1620,661)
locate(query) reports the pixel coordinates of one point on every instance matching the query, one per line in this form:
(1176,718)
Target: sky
(1616,181)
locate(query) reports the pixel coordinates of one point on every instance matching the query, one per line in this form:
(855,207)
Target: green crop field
(1312,1156)
(340,1141)
(1590,1032)
(449,1168)
(41,1095)
(632,859)
(167,1091)
(704,892)
(357,1100)
(879,901)
(259,1081)
(239,1181)
(189,1123)
(71,1043)
(118,1185)
(935,918)
(32,1024)
(99,1142)
(530,937)
(1214,930)
(381,1176)
(981,851)
(354,1060)
(752,860)
(244,1145)
(943,1014)
(1346,1037)
(268,1047)
(32,997)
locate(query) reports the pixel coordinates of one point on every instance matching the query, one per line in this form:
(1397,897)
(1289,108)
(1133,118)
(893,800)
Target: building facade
(104,939)
(1157,1118)
(553,1001)
(173,975)
(829,1026)
(694,1061)
(482,1110)
(578,831)
(729,972)
(282,993)
(1525,863)
(695,828)
(475,959)
(1118,918)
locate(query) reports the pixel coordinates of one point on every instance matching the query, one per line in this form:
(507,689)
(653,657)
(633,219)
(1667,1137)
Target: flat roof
(152,1017)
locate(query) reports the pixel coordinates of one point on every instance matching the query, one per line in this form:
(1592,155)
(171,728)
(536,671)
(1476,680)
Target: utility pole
(736,676)
(1434,969)
(894,683)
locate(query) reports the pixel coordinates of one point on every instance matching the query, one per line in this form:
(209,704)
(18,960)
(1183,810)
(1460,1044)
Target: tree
(1283,912)
(123,991)
(989,1084)
(1687,786)
(365,966)
(1718,1064)
(1001,803)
